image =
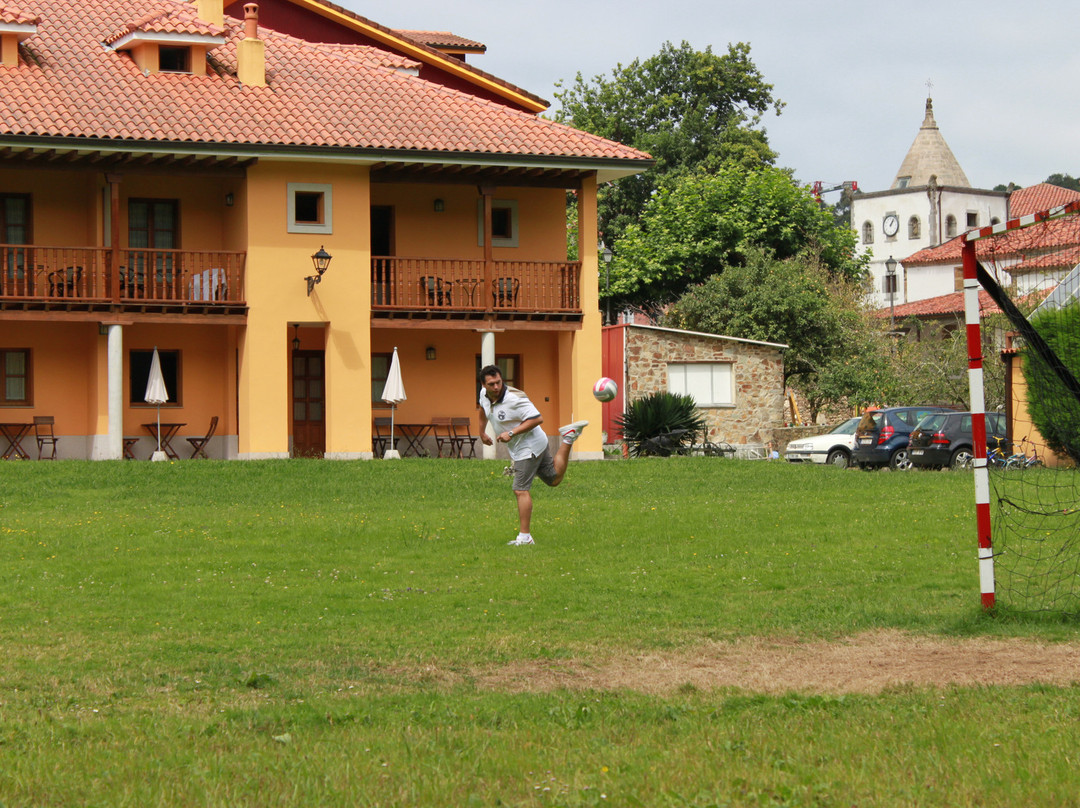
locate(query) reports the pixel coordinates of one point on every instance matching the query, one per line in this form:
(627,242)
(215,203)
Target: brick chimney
(251,51)
(211,11)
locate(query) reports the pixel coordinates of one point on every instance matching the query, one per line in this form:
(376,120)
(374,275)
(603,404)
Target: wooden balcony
(81,279)
(472,289)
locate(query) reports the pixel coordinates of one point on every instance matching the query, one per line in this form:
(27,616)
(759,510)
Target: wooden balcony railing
(75,276)
(448,286)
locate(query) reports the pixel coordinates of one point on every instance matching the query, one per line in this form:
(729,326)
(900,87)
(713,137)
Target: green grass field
(313,633)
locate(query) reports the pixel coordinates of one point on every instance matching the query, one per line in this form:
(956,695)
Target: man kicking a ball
(517,424)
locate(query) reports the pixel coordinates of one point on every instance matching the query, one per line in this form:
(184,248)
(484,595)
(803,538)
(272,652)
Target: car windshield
(846,428)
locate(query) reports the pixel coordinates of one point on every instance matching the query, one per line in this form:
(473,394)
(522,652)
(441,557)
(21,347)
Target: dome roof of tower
(930,156)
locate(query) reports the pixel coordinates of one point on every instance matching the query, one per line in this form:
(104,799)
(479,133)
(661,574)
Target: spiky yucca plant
(656,415)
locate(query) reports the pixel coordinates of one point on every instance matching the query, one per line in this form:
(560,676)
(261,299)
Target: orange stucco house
(168,171)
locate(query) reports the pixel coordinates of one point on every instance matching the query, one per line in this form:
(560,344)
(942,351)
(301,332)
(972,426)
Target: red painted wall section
(613,363)
(286,18)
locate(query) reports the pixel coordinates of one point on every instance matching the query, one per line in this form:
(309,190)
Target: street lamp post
(890,273)
(607,255)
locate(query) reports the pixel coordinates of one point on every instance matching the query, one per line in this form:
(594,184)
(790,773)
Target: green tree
(697,225)
(691,110)
(1053,409)
(834,346)
(934,368)
(1064,181)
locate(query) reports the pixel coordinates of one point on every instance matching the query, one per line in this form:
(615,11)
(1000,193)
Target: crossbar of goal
(971,269)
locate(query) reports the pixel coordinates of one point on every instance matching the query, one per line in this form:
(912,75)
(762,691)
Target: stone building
(738,384)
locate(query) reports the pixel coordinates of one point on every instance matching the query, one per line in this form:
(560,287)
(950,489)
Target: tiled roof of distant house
(952,303)
(335,97)
(1047,245)
(1039,197)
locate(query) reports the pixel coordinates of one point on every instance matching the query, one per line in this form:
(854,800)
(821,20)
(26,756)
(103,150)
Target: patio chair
(380,439)
(443,435)
(463,437)
(198,445)
(43,434)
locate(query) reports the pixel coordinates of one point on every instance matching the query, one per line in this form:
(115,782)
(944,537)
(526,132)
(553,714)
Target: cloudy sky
(853,73)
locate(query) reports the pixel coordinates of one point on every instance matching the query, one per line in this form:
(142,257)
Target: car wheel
(838,458)
(900,460)
(962,458)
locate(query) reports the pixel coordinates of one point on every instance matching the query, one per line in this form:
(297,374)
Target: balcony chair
(198,445)
(43,434)
(505,292)
(208,285)
(437,290)
(65,282)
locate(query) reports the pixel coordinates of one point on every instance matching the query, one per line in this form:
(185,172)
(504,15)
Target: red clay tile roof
(1044,245)
(364,22)
(1039,197)
(373,55)
(179,20)
(13,16)
(316,96)
(444,39)
(952,303)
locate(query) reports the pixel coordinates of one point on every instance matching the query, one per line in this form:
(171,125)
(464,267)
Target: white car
(833,447)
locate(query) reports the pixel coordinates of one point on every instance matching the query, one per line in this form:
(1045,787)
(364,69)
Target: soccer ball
(605,389)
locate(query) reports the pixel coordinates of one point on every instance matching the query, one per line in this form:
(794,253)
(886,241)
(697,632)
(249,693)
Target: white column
(114,446)
(487,357)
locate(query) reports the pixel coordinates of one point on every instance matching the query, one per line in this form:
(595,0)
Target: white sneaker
(520,540)
(571,432)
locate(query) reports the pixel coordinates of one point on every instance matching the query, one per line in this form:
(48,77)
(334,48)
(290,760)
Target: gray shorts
(527,470)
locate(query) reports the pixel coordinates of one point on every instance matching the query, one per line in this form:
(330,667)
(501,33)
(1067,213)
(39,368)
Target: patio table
(414,435)
(168,432)
(13,433)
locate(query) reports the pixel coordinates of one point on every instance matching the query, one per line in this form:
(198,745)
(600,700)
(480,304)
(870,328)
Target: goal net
(1030,267)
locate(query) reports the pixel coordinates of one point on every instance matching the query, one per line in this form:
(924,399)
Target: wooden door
(309,403)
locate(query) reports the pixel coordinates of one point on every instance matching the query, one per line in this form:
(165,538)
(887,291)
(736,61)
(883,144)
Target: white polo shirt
(508,414)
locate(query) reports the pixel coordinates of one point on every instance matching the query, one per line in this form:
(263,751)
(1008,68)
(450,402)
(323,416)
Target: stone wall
(757,379)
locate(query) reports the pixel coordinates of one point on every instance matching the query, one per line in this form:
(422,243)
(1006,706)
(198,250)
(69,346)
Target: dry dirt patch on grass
(866,663)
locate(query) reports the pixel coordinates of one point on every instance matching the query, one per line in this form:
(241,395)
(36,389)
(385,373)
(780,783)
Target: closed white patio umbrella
(393,393)
(158,395)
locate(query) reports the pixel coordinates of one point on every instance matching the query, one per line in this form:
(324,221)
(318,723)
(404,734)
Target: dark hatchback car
(944,439)
(881,438)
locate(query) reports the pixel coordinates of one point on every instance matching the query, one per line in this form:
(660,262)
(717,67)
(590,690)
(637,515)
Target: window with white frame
(310,207)
(868,233)
(504,223)
(709,383)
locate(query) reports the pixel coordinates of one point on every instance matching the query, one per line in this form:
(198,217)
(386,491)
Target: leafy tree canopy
(691,110)
(697,225)
(1064,181)
(833,343)
(1052,407)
